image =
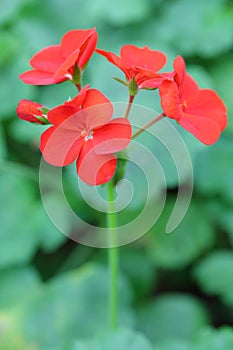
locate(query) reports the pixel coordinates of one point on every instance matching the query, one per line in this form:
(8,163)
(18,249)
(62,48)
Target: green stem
(129,105)
(146,126)
(113,258)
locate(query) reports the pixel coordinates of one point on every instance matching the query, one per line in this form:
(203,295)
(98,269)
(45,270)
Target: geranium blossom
(31,111)
(140,64)
(57,63)
(200,111)
(82,131)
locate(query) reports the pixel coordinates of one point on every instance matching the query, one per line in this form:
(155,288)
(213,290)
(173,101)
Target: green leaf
(188,239)
(212,339)
(2,143)
(214,274)
(9,47)
(27,133)
(221,69)
(161,319)
(125,12)
(18,237)
(206,28)
(54,95)
(213,170)
(12,89)
(73,306)
(10,9)
(13,282)
(121,339)
(139,269)
(50,237)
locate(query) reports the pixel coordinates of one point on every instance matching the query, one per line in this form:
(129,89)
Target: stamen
(88,135)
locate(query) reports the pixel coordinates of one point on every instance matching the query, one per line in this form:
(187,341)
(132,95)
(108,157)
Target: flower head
(82,131)
(57,63)
(31,111)
(140,64)
(200,111)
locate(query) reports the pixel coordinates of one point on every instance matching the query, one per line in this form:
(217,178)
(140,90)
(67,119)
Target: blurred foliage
(175,289)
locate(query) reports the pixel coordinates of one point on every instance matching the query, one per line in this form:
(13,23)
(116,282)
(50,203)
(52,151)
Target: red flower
(82,131)
(56,63)
(141,64)
(200,111)
(31,111)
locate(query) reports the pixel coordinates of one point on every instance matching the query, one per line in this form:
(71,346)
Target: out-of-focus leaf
(9,47)
(206,28)
(50,237)
(212,339)
(9,9)
(17,235)
(54,95)
(125,12)
(73,306)
(214,171)
(2,143)
(12,89)
(27,133)
(122,339)
(201,76)
(139,269)
(214,274)
(220,71)
(185,243)
(35,27)
(172,316)
(13,282)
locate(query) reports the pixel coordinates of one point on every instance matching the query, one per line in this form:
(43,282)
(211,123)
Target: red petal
(209,105)
(35,77)
(188,90)
(27,110)
(87,50)
(74,39)
(97,109)
(47,60)
(143,57)
(60,146)
(117,61)
(180,69)
(80,98)
(152,82)
(169,99)
(112,137)
(60,113)
(204,129)
(66,69)
(95,169)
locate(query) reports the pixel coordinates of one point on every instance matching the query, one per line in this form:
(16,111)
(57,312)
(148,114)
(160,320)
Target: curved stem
(129,105)
(146,126)
(112,257)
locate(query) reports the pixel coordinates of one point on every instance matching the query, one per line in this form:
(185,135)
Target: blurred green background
(176,291)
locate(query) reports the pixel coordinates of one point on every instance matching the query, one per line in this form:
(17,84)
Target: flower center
(87,134)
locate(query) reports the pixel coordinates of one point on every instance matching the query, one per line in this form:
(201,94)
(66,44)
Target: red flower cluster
(140,64)
(200,111)
(82,128)
(57,63)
